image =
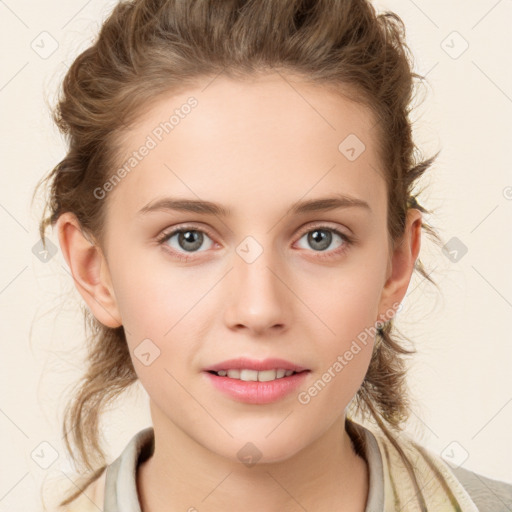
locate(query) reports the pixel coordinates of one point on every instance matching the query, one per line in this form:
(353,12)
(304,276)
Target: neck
(183,475)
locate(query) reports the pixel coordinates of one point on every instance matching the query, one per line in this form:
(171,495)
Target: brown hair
(148,47)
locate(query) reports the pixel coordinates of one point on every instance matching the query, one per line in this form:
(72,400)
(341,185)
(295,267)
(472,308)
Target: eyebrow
(209,208)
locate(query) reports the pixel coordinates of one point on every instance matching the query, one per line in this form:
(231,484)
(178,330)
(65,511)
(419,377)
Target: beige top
(390,486)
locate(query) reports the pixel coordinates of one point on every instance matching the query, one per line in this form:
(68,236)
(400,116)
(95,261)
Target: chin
(254,447)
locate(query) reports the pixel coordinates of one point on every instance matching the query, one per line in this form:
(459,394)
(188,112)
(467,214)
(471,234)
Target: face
(260,279)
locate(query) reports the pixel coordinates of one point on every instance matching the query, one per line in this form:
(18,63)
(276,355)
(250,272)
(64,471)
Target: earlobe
(89,270)
(402,264)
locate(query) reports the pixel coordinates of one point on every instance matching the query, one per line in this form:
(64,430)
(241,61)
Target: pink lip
(241,363)
(257,392)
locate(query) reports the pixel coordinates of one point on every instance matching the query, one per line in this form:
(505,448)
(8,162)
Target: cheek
(352,306)
(161,306)
(347,298)
(345,341)
(347,344)
(347,304)
(152,294)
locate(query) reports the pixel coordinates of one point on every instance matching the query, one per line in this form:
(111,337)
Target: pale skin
(255,148)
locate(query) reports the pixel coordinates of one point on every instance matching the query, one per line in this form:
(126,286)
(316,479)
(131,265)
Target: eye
(188,240)
(321,237)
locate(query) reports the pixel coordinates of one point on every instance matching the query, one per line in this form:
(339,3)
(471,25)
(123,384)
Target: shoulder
(488,494)
(118,477)
(484,493)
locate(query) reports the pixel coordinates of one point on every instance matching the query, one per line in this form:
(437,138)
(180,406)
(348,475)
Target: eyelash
(348,241)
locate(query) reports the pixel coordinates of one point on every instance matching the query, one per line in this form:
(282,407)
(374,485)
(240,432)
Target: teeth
(254,375)
(248,375)
(265,376)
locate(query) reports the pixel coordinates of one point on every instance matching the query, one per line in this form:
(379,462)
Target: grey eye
(188,240)
(321,238)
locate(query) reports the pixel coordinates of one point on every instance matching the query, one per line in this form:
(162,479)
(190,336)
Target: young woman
(237,211)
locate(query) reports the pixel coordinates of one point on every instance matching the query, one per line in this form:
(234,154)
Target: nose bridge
(255,264)
(257,299)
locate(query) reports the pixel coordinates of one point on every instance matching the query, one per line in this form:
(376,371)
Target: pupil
(190,237)
(324,238)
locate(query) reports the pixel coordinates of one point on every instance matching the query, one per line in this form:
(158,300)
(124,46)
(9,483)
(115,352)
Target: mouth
(248,375)
(256,387)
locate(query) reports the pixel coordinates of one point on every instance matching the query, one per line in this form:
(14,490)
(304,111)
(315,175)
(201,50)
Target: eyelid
(325,225)
(303,231)
(167,233)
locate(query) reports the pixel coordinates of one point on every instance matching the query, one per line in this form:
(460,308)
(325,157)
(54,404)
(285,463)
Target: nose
(258,298)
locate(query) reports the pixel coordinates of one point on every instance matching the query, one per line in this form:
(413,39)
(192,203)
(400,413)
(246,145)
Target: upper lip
(241,363)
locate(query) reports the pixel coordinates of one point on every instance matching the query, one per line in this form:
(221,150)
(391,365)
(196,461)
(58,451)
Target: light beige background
(460,379)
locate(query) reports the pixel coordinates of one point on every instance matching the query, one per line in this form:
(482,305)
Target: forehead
(275,138)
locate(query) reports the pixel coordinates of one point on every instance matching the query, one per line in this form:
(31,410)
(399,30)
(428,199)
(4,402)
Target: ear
(89,270)
(401,265)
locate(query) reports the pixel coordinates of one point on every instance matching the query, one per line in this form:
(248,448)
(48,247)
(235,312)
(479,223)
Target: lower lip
(255,392)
